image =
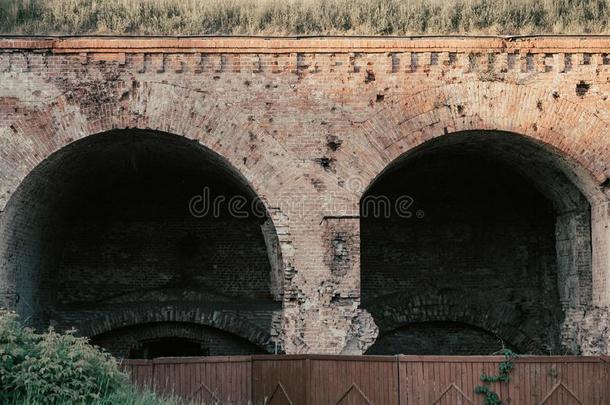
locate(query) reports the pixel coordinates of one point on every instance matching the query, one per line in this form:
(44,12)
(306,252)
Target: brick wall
(307,125)
(141,235)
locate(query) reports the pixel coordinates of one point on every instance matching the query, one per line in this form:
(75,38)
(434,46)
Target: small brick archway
(403,316)
(133,219)
(496,226)
(173,339)
(222,332)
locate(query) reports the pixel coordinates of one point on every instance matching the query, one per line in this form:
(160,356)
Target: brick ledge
(276,45)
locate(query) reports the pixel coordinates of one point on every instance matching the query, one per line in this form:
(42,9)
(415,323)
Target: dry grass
(303,17)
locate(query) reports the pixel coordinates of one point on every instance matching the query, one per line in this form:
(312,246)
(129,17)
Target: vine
(504,368)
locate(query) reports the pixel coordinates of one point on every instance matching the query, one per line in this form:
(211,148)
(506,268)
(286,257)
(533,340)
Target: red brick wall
(309,124)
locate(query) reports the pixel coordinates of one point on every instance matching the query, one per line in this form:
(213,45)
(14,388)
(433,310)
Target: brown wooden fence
(413,380)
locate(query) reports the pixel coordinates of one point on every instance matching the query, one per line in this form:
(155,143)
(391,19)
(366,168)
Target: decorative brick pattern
(307,125)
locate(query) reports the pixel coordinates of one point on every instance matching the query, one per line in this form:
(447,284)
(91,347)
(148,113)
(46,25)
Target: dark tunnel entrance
(169,347)
(173,339)
(433,338)
(137,222)
(483,260)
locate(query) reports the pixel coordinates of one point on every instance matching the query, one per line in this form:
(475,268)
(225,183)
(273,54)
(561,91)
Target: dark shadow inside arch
(131,219)
(174,339)
(491,228)
(439,338)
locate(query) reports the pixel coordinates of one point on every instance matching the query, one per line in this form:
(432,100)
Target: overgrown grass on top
(298,17)
(54,368)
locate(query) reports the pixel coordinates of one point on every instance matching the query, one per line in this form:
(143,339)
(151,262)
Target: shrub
(56,368)
(53,367)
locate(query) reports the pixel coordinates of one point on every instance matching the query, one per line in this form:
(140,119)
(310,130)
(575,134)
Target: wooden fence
(413,380)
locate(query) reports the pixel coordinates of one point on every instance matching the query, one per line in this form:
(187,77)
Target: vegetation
(303,17)
(54,368)
(504,370)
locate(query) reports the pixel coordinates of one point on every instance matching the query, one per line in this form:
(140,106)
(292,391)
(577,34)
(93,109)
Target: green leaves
(52,367)
(504,368)
(61,369)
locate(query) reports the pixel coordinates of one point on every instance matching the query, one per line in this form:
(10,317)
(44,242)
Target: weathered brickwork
(310,127)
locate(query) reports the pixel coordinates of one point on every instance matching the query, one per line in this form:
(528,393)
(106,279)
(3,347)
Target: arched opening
(174,339)
(438,338)
(169,347)
(481,228)
(133,219)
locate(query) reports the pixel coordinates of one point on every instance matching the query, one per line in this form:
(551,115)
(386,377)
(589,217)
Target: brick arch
(226,131)
(400,310)
(571,139)
(566,128)
(131,340)
(574,138)
(224,321)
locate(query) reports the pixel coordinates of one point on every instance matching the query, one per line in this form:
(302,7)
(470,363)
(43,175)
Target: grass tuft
(304,17)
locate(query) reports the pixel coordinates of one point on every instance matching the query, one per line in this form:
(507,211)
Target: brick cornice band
(536,44)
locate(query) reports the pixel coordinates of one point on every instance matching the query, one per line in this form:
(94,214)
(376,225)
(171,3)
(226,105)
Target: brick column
(600,241)
(322,296)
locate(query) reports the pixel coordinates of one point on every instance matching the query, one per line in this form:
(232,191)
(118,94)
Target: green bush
(53,367)
(56,368)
